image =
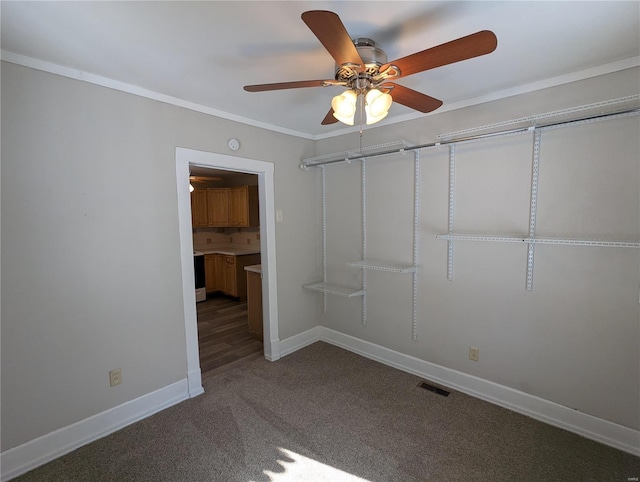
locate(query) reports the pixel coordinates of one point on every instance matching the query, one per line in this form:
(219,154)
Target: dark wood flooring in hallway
(223,335)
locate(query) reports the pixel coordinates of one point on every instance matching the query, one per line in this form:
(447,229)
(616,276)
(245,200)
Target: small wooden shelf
(332,289)
(378,265)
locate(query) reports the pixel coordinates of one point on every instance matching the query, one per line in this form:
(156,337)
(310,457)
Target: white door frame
(264,170)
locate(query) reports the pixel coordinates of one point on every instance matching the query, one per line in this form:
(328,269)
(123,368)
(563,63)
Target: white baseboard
(594,428)
(21,459)
(300,340)
(194,379)
(30,455)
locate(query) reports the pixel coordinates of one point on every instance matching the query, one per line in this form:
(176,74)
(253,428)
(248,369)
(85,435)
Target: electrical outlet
(474,353)
(248,240)
(208,240)
(115,377)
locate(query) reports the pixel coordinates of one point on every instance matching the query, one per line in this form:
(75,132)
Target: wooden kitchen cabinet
(235,278)
(254,304)
(218,207)
(218,266)
(199,208)
(211,272)
(223,207)
(243,206)
(225,273)
(230,287)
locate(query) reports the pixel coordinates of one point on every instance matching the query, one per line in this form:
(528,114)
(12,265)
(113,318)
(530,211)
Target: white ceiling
(205,52)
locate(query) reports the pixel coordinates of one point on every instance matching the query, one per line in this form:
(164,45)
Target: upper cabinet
(218,206)
(225,207)
(243,206)
(199,208)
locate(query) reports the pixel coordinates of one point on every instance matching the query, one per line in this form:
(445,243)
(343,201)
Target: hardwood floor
(223,335)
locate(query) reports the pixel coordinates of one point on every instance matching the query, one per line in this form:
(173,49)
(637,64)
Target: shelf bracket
(324,237)
(364,238)
(452,186)
(535,165)
(416,240)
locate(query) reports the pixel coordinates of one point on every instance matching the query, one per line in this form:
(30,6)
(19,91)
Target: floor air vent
(434,389)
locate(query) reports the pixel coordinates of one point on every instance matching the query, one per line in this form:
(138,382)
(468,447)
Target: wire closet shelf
(535,124)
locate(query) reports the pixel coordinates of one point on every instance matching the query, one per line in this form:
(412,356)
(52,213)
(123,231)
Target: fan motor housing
(372,56)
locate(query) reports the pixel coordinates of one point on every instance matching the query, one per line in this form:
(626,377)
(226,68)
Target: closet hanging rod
(354,157)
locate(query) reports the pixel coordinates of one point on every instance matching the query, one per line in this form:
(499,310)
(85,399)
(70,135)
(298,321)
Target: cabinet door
(199,208)
(210,278)
(218,268)
(239,206)
(230,285)
(218,207)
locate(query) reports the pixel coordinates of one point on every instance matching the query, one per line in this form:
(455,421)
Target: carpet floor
(325,414)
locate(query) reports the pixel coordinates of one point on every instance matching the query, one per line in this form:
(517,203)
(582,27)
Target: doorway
(226,243)
(186,158)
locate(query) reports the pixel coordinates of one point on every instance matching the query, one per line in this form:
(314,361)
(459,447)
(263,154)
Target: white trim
(194,375)
(21,459)
(296,342)
(503,94)
(133,89)
(37,452)
(588,426)
(264,171)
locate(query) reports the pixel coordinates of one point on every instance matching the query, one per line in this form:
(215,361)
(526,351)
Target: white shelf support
(531,239)
(523,238)
(416,241)
(366,264)
(333,289)
(322,286)
(535,165)
(452,187)
(377,265)
(324,237)
(364,239)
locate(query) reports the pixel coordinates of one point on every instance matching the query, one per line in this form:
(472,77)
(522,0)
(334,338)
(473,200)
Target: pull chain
(361,118)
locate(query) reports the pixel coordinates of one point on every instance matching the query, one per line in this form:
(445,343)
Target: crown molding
(135,90)
(460,104)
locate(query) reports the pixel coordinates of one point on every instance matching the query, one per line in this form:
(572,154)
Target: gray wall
(91,268)
(91,276)
(572,340)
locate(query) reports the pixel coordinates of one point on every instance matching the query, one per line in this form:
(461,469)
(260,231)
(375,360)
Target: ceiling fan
(363,68)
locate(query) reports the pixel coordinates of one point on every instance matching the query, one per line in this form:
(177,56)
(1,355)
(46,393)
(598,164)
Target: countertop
(255,268)
(228,249)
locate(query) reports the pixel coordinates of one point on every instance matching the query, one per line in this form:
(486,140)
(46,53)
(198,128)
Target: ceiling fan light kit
(362,67)
(377,105)
(344,106)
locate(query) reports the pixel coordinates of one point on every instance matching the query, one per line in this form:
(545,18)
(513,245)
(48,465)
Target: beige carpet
(323,413)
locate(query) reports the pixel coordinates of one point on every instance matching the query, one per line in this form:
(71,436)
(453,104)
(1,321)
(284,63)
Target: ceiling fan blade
(331,32)
(474,45)
(286,85)
(412,98)
(329,118)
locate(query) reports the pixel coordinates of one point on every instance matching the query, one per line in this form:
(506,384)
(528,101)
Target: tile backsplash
(244,236)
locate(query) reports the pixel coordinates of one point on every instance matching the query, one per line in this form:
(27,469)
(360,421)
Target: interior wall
(91,266)
(91,277)
(572,340)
